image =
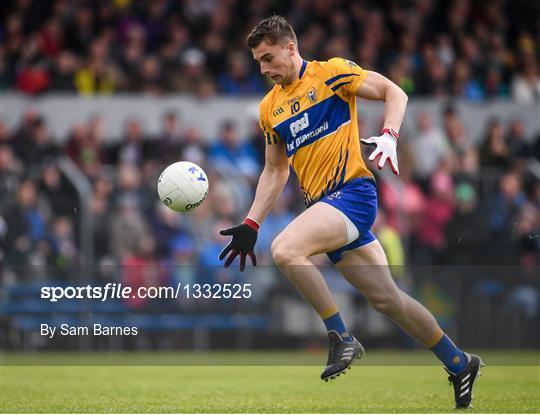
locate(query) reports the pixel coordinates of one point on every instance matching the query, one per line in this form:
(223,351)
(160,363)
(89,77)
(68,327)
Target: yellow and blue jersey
(315,117)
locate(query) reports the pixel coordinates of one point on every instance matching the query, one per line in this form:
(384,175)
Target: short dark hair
(273,29)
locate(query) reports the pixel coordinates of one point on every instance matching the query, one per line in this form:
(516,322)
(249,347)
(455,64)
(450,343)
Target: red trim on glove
(252,224)
(391,131)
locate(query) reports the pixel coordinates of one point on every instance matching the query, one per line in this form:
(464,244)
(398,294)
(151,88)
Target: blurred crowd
(468,49)
(454,203)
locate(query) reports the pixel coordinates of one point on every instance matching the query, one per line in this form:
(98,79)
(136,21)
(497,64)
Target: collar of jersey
(302,70)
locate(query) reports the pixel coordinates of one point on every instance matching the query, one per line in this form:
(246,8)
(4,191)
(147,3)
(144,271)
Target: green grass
(271,389)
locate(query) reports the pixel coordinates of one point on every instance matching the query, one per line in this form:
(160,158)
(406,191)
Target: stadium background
(98,97)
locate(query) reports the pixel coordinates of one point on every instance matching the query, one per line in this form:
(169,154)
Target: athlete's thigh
(318,229)
(366,268)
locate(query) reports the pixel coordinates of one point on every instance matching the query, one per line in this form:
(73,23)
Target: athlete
(309,122)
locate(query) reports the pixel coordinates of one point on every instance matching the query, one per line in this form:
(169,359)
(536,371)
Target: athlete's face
(276,61)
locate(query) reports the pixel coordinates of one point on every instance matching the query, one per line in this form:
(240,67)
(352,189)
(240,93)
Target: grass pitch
(270,389)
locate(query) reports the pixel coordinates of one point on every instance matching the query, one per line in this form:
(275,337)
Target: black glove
(243,241)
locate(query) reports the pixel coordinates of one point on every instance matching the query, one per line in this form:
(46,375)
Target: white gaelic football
(182,186)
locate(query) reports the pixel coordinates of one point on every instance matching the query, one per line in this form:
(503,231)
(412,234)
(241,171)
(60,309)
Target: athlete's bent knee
(282,253)
(388,304)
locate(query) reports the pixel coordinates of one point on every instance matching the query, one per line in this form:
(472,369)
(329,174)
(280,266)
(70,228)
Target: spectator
(527,235)
(494,86)
(32,75)
(403,202)
(76,142)
(194,149)
(494,151)
(99,74)
(130,184)
(391,243)
(140,269)
(133,147)
(51,38)
(467,166)
(183,259)
(167,226)
(169,144)
(438,209)
(517,143)
(11,171)
(526,84)
(466,230)
(85,147)
(14,42)
(192,77)
(130,59)
(22,137)
(463,84)
(502,211)
(536,148)
(208,260)
(445,52)
(433,78)
(150,79)
(25,224)
(232,157)
(95,78)
(429,144)
(255,135)
(239,80)
(61,196)
(41,144)
(401,74)
(100,215)
(63,73)
(173,49)
(80,29)
(64,246)
(127,227)
(455,131)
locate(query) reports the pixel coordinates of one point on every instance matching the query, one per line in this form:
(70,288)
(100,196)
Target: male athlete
(309,121)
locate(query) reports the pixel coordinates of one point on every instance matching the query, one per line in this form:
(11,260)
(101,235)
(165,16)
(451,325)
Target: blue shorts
(357,199)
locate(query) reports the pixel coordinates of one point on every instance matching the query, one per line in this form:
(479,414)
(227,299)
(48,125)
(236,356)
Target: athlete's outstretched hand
(243,241)
(386,147)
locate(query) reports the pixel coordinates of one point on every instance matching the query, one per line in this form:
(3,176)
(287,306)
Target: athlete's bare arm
(377,87)
(271,182)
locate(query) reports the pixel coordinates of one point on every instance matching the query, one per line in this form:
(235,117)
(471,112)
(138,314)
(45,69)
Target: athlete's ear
(291,47)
